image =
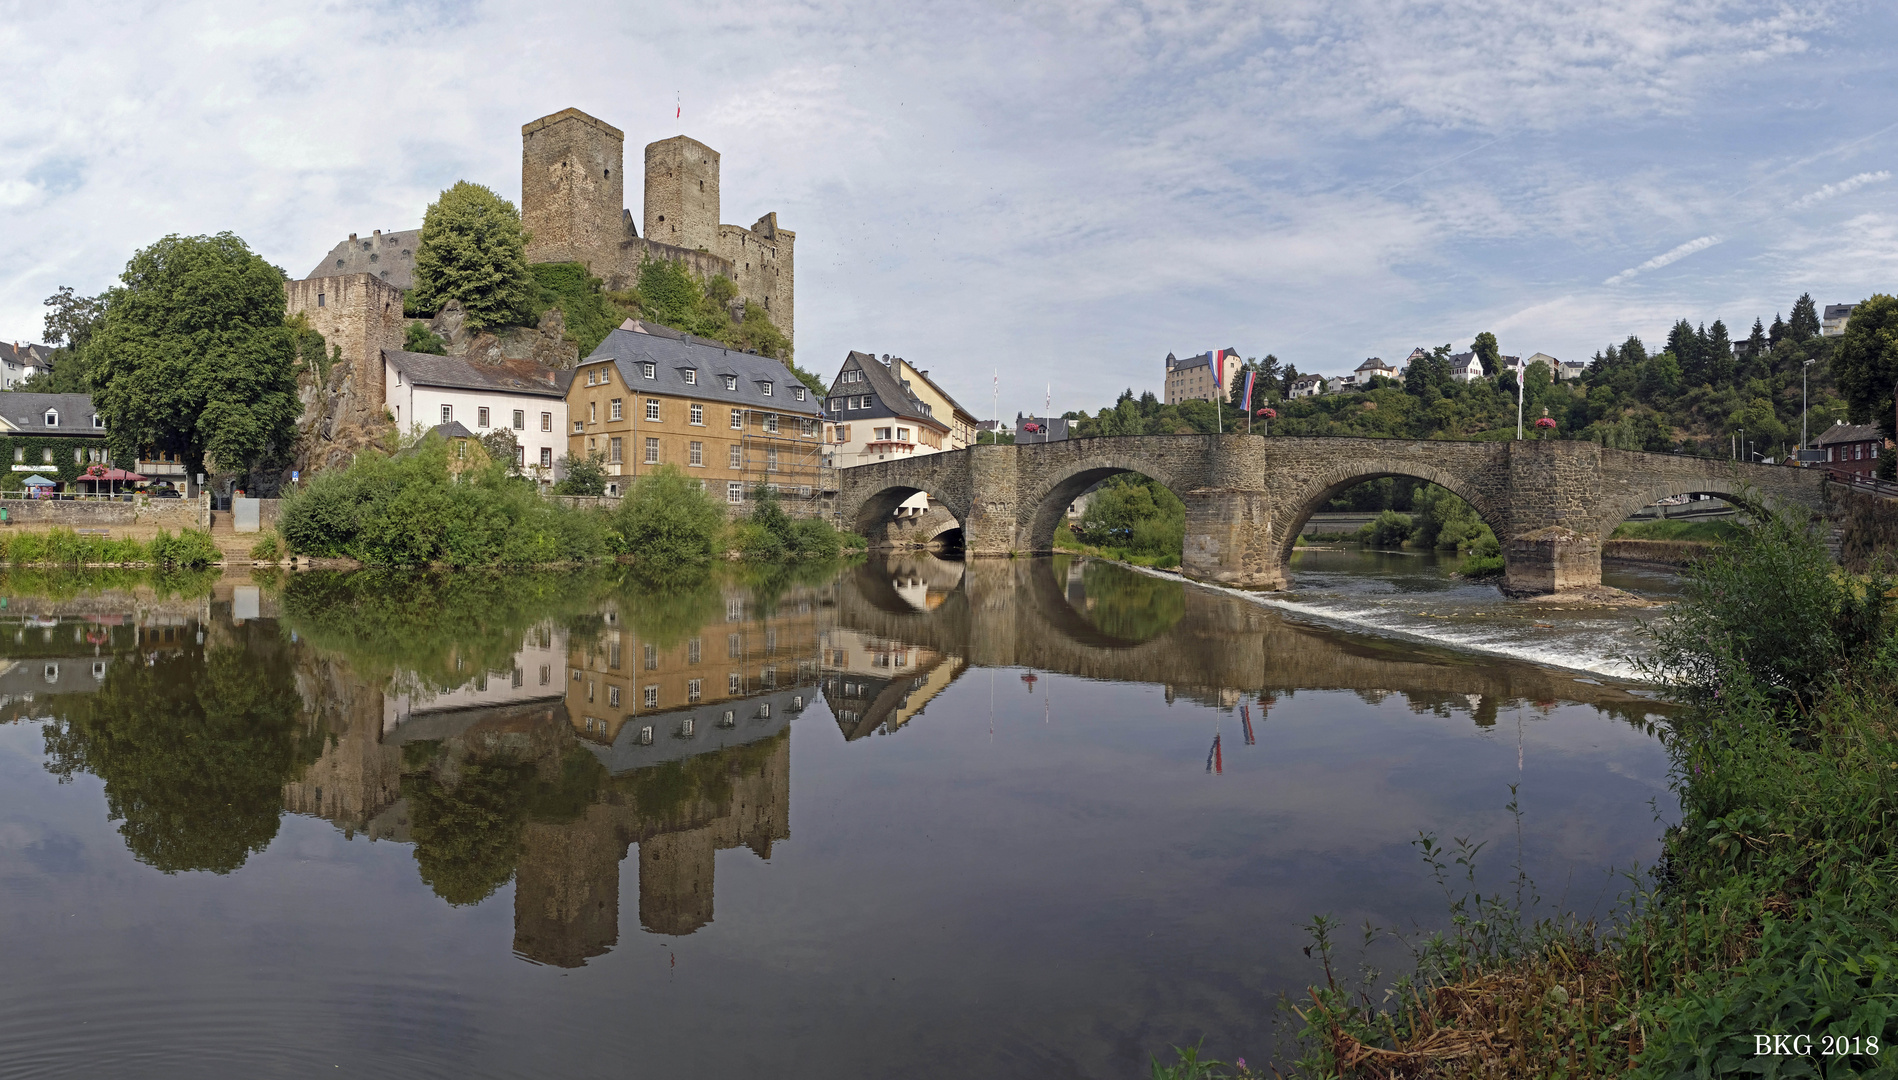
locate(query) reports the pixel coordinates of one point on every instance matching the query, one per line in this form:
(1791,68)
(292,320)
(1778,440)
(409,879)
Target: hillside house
(1850,448)
(425,391)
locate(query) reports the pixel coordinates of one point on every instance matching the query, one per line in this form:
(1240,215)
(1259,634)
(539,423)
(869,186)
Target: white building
(1836,316)
(1465,366)
(872,416)
(19,363)
(422,391)
(1377,367)
(1306,386)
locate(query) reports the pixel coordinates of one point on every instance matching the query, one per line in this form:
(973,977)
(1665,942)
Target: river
(1035,818)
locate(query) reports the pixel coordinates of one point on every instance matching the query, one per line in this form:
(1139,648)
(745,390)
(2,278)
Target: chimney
(352,236)
(378,232)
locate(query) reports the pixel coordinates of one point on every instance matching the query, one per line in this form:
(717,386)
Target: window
(612,696)
(771,460)
(546,421)
(764,388)
(734,611)
(652,409)
(810,429)
(613,410)
(652,657)
(593,412)
(693,690)
(798,393)
(734,491)
(883,434)
(98,421)
(691,377)
(698,414)
(729,720)
(520,456)
(546,457)
(764,710)
(738,419)
(579,426)
(652,451)
(652,696)
(613,451)
(650,371)
(685,725)
(836,404)
(591,373)
(645,735)
(771,423)
(481,418)
(520,419)
(320,298)
(696,455)
(448,413)
(692,651)
(731,382)
(736,456)
(734,683)
(902,434)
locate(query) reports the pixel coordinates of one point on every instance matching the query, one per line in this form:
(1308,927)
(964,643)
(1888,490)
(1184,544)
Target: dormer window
(691,377)
(798,393)
(98,421)
(764,388)
(650,371)
(731,382)
(52,418)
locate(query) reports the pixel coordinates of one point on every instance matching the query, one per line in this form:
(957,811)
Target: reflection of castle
(691,733)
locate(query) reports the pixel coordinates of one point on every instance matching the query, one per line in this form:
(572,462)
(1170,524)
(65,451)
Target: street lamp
(1802,403)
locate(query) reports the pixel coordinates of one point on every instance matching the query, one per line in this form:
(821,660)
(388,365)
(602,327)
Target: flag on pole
(1245,720)
(1214,358)
(1248,399)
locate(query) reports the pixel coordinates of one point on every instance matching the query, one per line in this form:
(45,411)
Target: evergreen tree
(1805,321)
(1756,341)
(473,251)
(1686,349)
(1719,354)
(1777,333)
(1633,351)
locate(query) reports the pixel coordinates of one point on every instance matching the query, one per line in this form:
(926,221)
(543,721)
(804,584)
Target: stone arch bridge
(1551,503)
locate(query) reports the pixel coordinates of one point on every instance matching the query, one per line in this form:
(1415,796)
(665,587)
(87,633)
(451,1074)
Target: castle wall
(682,193)
(573,188)
(360,314)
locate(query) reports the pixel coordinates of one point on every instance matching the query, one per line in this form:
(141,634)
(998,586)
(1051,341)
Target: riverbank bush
(1388,530)
(1137,518)
(407,510)
(667,521)
(771,534)
(189,549)
(1773,910)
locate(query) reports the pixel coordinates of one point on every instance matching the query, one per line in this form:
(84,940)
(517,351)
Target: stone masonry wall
(573,188)
(343,411)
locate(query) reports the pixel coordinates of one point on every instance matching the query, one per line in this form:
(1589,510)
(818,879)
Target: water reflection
(528,732)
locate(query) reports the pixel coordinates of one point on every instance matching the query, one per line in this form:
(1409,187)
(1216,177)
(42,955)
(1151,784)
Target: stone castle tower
(573,186)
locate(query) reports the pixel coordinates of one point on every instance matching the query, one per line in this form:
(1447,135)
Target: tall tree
(1805,321)
(1778,333)
(1633,351)
(473,251)
(1865,364)
(194,355)
(68,326)
(1719,355)
(1487,352)
(1756,341)
(1686,349)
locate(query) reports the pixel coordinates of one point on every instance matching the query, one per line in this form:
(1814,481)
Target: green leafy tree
(1487,351)
(667,520)
(585,476)
(194,354)
(503,448)
(473,251)
(68,327)
(1865,363)
(420,339)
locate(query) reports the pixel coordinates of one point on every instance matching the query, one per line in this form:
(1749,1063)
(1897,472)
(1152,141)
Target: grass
(61,546)
(1066,540)
(1712,531)
(1773,909)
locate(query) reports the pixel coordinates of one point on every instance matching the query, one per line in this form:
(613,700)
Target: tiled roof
(1845,433)
(673,357)
(460,373)
(390,256)
(27,413)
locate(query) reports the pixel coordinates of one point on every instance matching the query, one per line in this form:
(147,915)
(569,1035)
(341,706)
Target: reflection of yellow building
(622,675)
(873,685)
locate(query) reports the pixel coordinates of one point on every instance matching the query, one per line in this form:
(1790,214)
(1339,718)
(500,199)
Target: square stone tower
(573,188)
(682,193)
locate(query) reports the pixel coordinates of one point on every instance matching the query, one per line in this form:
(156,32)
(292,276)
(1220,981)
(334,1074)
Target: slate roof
(1838,311)
(390,256)
(460,373)
(1200,360)
(888,389)
(672,357)
(1375,364)
(454,429)
(1847,433)
(27,413)
(19,355)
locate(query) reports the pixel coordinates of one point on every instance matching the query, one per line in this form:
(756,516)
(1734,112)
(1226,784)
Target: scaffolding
(785,452)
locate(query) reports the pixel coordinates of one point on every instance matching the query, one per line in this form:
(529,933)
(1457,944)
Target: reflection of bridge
(1551,503)
(1015,613)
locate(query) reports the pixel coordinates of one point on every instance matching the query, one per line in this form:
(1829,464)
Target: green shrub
(190,549)
(667,520)
(1481,566)
(771,534)
(754,541)
(1137,516)
(1388,530)
(268,548)
(419,338)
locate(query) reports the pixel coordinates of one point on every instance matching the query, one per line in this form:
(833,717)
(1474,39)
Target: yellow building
(939,404)
(648,397)
(1192,379)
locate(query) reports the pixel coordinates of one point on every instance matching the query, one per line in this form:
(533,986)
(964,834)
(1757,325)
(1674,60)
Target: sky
(1049,197)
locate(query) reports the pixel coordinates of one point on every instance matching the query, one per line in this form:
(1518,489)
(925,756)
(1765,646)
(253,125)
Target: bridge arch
(1299,504)
(1747,499)
(873,516)
(1086,463)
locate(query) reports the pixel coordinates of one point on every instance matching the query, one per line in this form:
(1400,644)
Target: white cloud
(1830,191)
(1672,255)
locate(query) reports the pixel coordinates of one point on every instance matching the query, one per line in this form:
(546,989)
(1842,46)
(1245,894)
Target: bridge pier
(1228,538)
(990,526)
(1550,560)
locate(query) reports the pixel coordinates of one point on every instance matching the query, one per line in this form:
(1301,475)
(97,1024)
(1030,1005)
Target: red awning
(101,472)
